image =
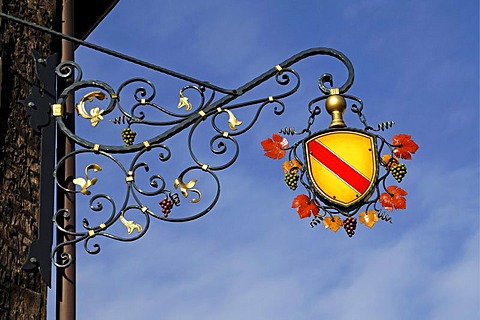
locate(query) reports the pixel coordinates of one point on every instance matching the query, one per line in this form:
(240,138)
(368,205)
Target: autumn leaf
(368,218)
(394,199)
(289,165)
(305,206)
(406,146)
(274,147)
(333,223)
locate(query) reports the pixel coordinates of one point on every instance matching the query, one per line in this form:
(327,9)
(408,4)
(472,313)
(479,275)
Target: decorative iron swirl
(154,179)
(217,147)
(97,206)
(67,69)
(140,95)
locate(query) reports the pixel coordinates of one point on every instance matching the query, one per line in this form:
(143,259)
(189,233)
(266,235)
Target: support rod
(118,54)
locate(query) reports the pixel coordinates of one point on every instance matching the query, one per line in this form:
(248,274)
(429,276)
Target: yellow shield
(342,166)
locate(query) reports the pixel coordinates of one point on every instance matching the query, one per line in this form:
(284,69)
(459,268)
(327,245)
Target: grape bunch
(167,205)
(128,136)
(291,179)
(399,171)
(350,224)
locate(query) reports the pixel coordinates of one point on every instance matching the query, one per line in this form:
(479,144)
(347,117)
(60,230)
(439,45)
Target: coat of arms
(344,170)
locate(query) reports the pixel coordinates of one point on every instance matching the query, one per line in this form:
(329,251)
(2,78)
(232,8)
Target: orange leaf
(305,206)
(274,147)
(406,146)
(288,165)
(394,199)
(368,218)
(333,223)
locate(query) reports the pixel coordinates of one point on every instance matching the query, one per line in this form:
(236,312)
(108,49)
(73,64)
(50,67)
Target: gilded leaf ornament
(95,114)
(184,102)
(86,182)
(232,120)
(130,224)
(185,187)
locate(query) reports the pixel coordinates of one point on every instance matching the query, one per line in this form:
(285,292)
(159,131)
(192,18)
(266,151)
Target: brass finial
(336,106)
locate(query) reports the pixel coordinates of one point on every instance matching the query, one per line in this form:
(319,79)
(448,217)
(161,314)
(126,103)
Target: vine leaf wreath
(315,203)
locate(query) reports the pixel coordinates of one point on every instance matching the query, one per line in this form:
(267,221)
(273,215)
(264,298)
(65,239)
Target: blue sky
(251,257)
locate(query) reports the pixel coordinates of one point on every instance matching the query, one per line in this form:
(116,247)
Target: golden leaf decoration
(184,102)
(369,218)
(186,187)
(86,182)
(95,114)
(130,225)
(332,223)
(232,120)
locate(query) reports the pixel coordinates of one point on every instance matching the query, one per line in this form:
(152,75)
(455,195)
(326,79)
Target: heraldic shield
(342,165)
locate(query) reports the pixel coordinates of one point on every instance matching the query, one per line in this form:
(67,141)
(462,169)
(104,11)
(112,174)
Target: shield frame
(359,201)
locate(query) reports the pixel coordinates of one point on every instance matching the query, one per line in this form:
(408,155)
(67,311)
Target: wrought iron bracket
(133,105)
(356,161)
(46,106)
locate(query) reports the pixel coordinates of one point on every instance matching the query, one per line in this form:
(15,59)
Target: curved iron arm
(115,54)
(235,92)
(299,57)
(211,108)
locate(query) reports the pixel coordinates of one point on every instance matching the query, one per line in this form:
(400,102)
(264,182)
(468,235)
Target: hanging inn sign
(339,175)
(344,170)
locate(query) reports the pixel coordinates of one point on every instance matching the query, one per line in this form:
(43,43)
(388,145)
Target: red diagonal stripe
(338,166)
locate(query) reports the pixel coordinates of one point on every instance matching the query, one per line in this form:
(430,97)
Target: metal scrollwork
(146,188)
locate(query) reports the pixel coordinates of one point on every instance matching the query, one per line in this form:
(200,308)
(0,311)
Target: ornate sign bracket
(341,168)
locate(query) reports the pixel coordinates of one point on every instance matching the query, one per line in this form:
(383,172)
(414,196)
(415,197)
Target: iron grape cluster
(128,136)
(291,179)
(167,205)
(399,171)
(350,224)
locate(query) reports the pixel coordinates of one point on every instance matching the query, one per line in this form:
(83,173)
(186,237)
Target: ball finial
(336,106)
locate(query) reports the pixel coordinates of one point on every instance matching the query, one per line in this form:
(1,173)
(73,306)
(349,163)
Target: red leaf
(274,147)
(305,206)
(406,146)
(399,202)
(397,191)
(394,199)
